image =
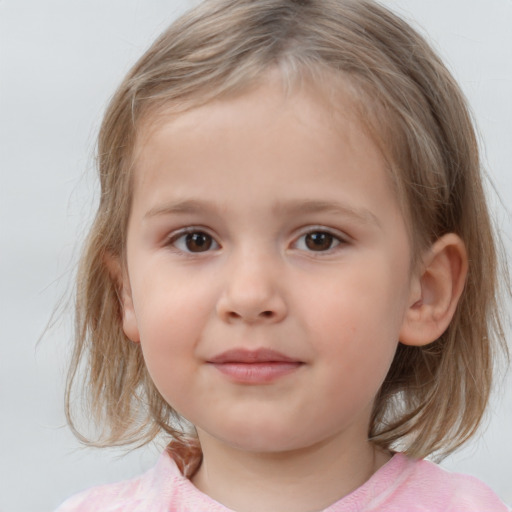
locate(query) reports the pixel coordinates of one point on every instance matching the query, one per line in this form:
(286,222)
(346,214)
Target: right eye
(193,242)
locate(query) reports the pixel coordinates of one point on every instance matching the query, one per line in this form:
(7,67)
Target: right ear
(120,277)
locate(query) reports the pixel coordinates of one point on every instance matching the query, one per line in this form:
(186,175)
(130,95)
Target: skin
(304,251)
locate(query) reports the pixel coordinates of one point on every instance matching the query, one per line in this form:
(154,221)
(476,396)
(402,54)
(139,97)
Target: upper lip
(241,355)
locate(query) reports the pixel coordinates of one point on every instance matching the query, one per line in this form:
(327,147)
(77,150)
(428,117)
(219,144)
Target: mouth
(261,366)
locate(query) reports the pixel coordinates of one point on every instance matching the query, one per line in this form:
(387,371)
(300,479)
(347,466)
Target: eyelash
(333,238)
(183,234)
(173,239)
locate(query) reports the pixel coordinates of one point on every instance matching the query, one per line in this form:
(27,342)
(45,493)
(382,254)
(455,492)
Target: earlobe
(436,291)
(120,278)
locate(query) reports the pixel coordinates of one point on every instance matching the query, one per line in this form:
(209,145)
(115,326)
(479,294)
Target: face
(267,269)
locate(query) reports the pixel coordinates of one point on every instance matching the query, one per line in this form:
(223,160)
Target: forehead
(329,90)
(326,98)
(262,112)
(264,147)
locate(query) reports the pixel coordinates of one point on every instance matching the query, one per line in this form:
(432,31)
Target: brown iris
(319,241)
(198,242)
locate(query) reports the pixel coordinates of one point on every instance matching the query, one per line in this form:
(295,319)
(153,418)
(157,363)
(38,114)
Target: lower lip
(257,373)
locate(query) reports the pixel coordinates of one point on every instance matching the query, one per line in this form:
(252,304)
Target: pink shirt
(401,485)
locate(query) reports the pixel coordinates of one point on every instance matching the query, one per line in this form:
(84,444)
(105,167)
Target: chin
(264,439)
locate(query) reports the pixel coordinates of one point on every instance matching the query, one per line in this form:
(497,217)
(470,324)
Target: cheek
(357,322)
(169,306)
(365,300)
(170,319)
(168,339)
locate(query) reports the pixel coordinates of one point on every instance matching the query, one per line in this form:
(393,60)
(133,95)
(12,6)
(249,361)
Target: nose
(252,292)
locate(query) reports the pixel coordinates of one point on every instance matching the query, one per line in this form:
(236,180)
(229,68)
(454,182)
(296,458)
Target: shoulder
(105,498)
(150,491)
(440,490)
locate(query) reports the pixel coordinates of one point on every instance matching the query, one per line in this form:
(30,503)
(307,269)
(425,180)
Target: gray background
(59,63)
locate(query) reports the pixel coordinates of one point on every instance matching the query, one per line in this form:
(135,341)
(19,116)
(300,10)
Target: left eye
(194,241)
(317,241)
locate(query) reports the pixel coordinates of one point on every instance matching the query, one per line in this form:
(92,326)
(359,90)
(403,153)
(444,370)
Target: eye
(193,241)
(318,241)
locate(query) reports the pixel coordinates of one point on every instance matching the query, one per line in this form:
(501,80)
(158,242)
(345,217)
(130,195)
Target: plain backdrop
(60,61)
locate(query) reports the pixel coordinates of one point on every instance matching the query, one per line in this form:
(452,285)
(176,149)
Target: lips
(262,355)
(261,366)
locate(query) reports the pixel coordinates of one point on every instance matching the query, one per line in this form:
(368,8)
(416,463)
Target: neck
(304,480)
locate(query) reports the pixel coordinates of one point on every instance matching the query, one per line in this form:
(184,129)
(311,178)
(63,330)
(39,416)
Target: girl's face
(268,269)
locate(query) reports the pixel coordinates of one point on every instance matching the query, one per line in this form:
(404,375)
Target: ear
(120,277)
(435,291)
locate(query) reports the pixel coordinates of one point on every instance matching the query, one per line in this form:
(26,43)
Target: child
(292,271)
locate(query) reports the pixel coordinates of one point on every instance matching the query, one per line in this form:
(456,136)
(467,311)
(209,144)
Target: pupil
(318,241)
(198,242)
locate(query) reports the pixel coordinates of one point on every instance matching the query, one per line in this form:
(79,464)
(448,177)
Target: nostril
(267,314)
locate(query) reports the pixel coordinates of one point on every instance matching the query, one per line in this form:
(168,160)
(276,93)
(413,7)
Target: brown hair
(433,397)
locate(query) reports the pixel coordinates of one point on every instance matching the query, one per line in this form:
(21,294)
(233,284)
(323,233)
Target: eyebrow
(294,207)
(182,207)
(360,215)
